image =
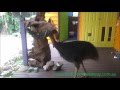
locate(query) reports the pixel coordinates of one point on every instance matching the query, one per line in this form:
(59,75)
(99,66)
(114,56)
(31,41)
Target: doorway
(72,25)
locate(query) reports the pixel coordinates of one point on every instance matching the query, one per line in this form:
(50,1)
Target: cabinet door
(89,26)
(106,32)
(98,28)
(117,36)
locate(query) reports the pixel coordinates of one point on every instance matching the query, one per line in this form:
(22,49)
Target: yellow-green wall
(91,24)
(117,36)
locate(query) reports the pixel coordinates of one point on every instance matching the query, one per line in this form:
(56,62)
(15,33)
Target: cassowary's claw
(84,76)
(75,75)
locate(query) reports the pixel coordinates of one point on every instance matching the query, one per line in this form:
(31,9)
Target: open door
(63,26)
(72,25)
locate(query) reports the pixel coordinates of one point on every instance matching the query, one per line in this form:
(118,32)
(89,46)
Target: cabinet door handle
(89,34)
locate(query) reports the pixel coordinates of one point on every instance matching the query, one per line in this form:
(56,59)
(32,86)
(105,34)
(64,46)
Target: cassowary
(75,51)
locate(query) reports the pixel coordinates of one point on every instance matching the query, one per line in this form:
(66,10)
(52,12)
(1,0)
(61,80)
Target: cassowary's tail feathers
(91,51)
(94,53)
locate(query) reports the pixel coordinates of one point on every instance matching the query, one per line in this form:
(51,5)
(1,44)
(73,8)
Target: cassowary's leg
(84,67)
(77,66)
(76,71)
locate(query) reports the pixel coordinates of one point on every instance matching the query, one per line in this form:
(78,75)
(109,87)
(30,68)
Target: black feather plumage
(77,51)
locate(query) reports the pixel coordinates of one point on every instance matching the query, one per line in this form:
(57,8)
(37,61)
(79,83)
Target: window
(75,14)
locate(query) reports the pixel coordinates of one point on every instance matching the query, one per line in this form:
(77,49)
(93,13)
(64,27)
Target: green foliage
(12,19)
(15,64)
(13,23)
(13,26)
(1,24)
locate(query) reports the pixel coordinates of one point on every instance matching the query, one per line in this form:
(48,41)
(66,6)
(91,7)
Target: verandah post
(24,42)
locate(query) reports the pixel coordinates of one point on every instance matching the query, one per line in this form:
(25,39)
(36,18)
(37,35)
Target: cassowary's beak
(53,34)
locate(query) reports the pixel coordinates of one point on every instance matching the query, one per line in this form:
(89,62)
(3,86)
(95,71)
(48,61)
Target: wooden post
(24,42)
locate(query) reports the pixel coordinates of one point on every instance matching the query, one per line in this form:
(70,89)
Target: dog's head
(45,29)
(49,30)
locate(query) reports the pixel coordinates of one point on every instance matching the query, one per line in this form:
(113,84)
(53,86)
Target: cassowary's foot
(81,77)
(84,76)
(75,76)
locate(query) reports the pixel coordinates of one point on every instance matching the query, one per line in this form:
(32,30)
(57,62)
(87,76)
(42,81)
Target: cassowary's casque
(75,51)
